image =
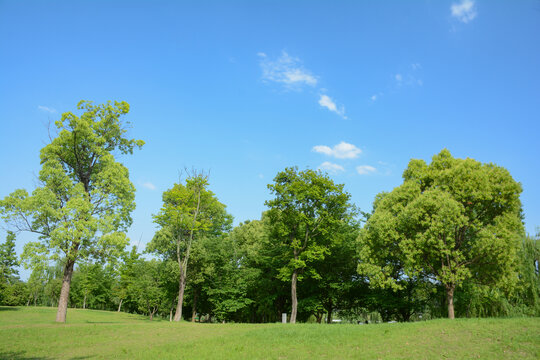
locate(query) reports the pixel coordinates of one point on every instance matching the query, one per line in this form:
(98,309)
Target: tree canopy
(451,220)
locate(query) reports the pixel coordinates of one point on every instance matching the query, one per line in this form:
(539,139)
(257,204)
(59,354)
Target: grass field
(30,333)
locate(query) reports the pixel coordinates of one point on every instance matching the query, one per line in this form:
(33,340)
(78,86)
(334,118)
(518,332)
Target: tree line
(448,242)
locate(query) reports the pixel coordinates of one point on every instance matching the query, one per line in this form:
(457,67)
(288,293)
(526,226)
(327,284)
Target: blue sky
(243,89)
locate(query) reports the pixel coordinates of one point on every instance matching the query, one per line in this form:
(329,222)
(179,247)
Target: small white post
(284,318)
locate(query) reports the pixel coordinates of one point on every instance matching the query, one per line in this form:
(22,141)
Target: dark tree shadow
(8,308)
(21,355)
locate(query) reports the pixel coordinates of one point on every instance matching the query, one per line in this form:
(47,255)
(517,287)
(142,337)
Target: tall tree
(451,220)
(8,260)
(189,211)
(85,198)
(306,210)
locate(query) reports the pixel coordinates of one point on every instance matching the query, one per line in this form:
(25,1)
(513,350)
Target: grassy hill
(30,333)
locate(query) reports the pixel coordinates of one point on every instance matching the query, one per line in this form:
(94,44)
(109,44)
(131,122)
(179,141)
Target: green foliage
(189,213)
(146,286)
(8,260)
(187,209)
(451,221)
(85,197)
(527,294)
(308,207)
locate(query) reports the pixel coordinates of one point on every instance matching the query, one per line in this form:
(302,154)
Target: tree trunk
(194,307)
(170,315)
(151,311)
(318,316)
(120,305)
(84,301)
(293,296)
(329,310)
(450,300)
(178,314)
(64,293)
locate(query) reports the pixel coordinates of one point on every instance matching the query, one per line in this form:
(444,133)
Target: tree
(306,210)
(8,260)
(260,259)
(84,200)
(146,288)
(189,211)
(452,220)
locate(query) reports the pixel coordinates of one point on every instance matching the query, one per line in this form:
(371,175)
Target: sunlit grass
(30,333)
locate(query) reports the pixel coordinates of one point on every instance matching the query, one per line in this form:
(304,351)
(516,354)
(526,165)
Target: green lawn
(30,333)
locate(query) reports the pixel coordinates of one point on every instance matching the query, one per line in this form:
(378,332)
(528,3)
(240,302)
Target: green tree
(85,198)
(306,211)
(8,260)
(451,220)
(125,277)
(189,211)
(146,288)
(260,259)
(528,289)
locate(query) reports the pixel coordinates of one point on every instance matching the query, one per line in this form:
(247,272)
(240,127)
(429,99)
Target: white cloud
(327,102)
(149,185)
(286,70)
(365,169)
(342,150)
(373,97)
(46,109)
(331,167)
(410,78)
(464,11)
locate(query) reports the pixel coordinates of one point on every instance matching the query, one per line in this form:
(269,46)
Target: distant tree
(260,259)
(145,287)
(125,278)
(225,282)
(189,211)
(85,197)
(306,211)
(338,271)
(8,260)
(528,289)
(450,221)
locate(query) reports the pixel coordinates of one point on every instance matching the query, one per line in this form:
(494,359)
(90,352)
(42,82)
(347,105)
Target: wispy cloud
(464,11)
(342,150)
(47,109)
(149,186)
(286,70)
(365,169)
(331,167)
(411,77)
(327,102)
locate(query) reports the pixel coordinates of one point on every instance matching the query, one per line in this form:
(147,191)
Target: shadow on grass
(8,308)
(20,355)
